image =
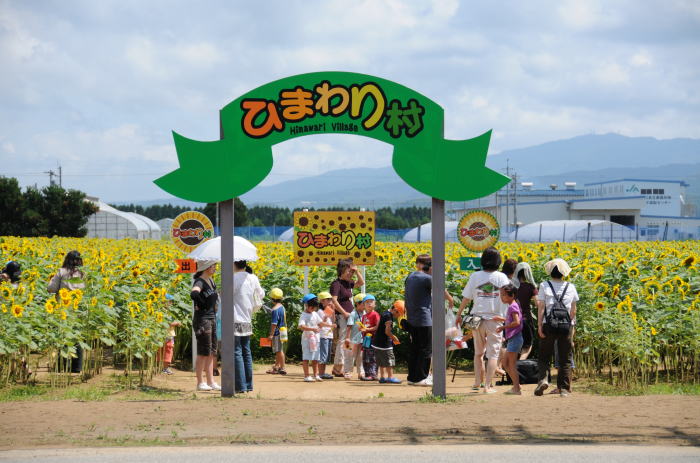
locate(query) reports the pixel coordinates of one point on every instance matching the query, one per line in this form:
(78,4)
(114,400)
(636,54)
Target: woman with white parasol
(247,295)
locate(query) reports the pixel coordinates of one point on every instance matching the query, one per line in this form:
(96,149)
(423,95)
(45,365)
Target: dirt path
(285,409)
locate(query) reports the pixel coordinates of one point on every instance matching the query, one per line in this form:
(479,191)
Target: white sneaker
(204,387)
(410,383)
(309,379)
(425,382)
(318,378)
(215,386)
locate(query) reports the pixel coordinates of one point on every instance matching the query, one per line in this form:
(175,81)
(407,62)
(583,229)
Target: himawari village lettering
(335,127)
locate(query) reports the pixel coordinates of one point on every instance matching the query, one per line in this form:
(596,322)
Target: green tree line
(265,216)
(49,211)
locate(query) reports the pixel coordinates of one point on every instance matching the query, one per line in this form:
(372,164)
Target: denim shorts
(325,350)
(307,353)
(515,344)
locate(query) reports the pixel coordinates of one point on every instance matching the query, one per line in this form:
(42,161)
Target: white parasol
(211,250)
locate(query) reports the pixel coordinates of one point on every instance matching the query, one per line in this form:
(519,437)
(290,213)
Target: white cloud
(9,147)
(611,73)
(641,59)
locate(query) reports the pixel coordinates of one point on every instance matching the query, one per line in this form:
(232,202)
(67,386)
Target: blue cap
(368,297)
(169,297)
(308,297)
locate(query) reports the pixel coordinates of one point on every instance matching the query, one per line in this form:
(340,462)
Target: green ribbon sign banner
(332,102)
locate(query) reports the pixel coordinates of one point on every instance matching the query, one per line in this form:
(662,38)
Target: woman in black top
(205,299)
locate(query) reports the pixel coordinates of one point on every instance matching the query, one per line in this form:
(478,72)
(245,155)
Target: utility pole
(60,176)
(508,197)
(51,174)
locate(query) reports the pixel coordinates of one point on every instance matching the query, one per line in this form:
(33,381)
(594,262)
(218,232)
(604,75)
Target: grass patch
(19,393)
(86,394)
(605,389)
(429,398)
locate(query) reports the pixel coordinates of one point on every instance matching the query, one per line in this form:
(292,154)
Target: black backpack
(557,318)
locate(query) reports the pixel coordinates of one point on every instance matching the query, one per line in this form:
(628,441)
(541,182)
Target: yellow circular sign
(190,229)
(478,230)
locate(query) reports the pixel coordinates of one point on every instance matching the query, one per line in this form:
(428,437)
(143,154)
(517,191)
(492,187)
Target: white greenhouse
(286,235)
(426,231)
(573,230)
(109,222)
(165,226)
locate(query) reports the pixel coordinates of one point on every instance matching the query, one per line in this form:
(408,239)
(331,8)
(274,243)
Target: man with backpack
(556,318)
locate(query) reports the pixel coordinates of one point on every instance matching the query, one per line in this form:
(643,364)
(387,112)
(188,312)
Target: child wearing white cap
(309,321)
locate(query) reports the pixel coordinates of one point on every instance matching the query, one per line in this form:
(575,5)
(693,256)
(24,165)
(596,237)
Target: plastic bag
(453,334)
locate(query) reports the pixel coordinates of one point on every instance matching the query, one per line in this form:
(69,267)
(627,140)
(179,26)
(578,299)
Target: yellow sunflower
(17,310)
(633,272)
(599,306)
(688,261)
(50,305)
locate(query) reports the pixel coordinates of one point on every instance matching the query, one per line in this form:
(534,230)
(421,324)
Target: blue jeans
(243,360)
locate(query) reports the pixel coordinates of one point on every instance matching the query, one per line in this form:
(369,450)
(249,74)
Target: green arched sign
(332,102)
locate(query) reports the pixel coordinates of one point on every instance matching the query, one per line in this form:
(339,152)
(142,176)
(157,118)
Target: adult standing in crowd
(527,292)
(205,300)
(419,321)
(550,294)
(70,277)
(246,294)
(341,292)
(483,288)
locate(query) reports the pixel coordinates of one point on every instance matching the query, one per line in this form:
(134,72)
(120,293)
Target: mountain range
(582,159)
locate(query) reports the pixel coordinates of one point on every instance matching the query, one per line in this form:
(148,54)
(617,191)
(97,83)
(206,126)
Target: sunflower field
(638,318)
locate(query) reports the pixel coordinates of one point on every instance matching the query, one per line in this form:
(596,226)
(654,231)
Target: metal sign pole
(306,279)
(438,298)
(228,378)
(364,285)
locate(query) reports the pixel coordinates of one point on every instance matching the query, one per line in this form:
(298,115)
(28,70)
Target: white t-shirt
(545,294)
(483,288)
(244,286)
(310,320)
(326,332)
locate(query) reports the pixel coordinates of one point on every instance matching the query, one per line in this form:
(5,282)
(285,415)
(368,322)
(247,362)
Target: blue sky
(99,85)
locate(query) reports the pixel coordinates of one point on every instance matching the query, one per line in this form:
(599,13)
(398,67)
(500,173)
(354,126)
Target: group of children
(369,340)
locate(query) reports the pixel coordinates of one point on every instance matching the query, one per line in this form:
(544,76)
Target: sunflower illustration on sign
(190,229)
(478,230)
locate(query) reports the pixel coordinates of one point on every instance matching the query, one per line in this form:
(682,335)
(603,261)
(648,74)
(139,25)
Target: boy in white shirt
(309,322)
(483,288)
(327,326)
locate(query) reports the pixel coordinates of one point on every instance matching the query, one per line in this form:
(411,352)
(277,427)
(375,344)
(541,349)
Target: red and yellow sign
(478,230)
(190,229)
(186,266)
(323,237)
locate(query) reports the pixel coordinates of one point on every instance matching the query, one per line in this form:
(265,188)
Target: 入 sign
(478,230)
(190,229)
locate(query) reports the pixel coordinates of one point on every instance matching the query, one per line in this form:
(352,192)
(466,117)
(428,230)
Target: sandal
(281,371)
(556,390)
(272,371)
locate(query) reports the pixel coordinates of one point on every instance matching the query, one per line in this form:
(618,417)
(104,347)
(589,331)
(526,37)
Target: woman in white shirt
(247,292)
(549,293)
(483,288)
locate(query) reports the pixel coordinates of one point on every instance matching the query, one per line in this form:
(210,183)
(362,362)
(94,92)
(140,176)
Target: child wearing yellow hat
(353,340)
(327,314)
(277,324)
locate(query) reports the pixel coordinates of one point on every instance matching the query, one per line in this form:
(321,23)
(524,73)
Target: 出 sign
(186,266)
(323,237)
(478,230)
(190,229)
